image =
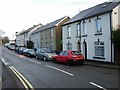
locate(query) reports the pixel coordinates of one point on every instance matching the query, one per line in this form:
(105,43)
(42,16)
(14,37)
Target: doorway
(85,49)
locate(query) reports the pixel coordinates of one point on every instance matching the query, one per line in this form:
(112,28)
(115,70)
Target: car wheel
(68,63)
(54,60)
(28,55)
(44,58)
(37,57)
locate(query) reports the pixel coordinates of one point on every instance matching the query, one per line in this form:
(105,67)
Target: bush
(116,37)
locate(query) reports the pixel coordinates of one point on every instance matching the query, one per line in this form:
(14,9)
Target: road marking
(22,56)
(60,70)
(4,62)
(35,61)
(98,85)
(22,79)
(19,78)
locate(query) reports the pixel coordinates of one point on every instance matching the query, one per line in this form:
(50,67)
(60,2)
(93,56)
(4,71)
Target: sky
(18,15)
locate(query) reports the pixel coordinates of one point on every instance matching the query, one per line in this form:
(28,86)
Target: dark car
(30,53)
(20,50)
(17,49)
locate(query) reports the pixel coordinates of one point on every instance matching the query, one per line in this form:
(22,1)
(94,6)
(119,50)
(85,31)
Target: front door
(85,49)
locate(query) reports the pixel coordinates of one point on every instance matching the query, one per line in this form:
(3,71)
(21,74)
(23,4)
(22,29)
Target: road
(46,74)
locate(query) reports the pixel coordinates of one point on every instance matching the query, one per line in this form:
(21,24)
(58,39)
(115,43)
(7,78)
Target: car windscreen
(75,53)
(48,51)
(32,51)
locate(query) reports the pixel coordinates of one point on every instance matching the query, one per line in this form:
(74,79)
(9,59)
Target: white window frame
(68,31)
(51,32)
(99,49)
(69,46)
(98,25)
(51,45)
(84,28)
(41,35)
(78,29)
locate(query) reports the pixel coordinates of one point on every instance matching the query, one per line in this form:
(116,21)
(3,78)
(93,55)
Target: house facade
(20,38)
(95,25)
(50,35)
(35,38)
(25,35)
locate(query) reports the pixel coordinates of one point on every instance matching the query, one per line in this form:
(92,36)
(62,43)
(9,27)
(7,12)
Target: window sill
(98,57)
(68,37)
(84,35)
(98,34)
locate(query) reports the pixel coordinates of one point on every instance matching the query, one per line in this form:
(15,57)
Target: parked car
(45,54)
(21,50)
(30,52)
(17,49)
(9,46)
(69,57)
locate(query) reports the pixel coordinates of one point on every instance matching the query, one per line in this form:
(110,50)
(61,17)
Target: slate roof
(28,30)
(49,25)
(96,10)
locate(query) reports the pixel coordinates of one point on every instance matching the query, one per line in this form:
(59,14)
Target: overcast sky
(16,15)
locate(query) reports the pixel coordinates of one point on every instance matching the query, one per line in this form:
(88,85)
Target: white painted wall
(35,38)
(91,38)
(116,17)
(73,38)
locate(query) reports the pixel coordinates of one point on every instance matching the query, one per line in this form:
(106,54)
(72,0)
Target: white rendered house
(95,25)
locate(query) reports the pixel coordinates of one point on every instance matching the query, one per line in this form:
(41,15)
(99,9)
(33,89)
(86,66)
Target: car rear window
(75,53)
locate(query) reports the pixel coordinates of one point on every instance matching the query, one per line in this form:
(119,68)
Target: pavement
(8,80)
(102,64)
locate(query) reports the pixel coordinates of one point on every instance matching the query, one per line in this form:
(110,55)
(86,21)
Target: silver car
(45,54)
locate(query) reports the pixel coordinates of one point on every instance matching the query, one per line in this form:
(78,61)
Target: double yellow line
(23,80)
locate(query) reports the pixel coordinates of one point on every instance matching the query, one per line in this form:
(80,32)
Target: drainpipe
(110,15)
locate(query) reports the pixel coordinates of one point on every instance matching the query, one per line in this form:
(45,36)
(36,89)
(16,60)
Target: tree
(116,41)
(5,40)
(116,37)
(30,44)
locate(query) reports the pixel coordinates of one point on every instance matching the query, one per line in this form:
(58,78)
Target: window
(84,28)
(78,29)
(69,46)
(46,34)
(99,49)
(41,44)
(51,45)
(51,32)
(46,44)
(98,25)
(68,31)
(41,35)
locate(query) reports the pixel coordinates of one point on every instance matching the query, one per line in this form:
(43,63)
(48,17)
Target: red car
(69,57)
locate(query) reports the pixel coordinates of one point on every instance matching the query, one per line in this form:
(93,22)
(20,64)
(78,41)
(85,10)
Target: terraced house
(90,31)
(25,35)
(50,35)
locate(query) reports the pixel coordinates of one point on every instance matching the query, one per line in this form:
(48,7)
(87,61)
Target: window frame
(99,48)
(68,31)
(69,46)
(84,29)
(51,32)
(78,28)
(98,26)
